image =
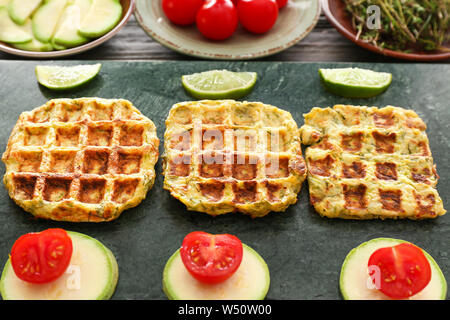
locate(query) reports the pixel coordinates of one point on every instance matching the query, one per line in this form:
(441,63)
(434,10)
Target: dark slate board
(304,251)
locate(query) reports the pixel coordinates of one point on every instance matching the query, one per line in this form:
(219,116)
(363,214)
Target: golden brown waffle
(224,156)
(81,160)
(367,163)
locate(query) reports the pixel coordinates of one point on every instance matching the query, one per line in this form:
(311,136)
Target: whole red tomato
(257,16)
(217,19)
(181,12)
(281,3)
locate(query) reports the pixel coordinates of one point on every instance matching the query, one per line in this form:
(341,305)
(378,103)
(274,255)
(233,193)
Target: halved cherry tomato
(181,12)
(403,269)
(211,258)
(43,256)
(257,16)
(281,3)
(217,19)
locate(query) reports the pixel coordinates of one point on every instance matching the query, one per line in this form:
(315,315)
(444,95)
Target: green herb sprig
(406,25)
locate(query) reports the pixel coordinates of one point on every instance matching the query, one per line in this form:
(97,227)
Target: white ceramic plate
(128,7)
(294,22)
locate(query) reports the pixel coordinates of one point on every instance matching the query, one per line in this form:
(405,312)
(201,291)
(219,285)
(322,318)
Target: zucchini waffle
(366,163)
(224,156)
(81,160)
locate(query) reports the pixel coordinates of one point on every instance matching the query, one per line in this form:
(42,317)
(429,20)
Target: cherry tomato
(41,257)
(257,16)
(403,269)
(211,258)
(217,19)
(281,3)
(181,12)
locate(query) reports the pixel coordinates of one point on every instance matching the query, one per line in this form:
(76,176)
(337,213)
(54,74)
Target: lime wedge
(63,78)
(355,82)
(219,84)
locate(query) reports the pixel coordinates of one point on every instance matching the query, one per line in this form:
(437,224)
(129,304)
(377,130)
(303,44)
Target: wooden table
(324,43)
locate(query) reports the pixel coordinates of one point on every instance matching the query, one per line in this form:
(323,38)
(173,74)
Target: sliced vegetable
(101,18)
(403,270)
(56,24)
(9,31)
(251,280)
(211,258)
(34,44)
(56,46)
(92,274)
(67,32)
(46,19)
(4,3)
(20,10)
(358,281)
(41,257)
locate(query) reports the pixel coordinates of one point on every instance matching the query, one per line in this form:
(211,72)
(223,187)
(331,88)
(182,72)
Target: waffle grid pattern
(81,160)
(366,163)
(224,156)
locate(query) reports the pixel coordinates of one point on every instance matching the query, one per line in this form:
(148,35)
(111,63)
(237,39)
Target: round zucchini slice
(251,280)
(92,275)
(355,283)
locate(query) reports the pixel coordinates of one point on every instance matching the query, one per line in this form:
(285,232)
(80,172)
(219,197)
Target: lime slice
(219,84)
(63,78)
(355,82)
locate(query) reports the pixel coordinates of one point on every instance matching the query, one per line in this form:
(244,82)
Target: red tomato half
(257,16)
(211,258)
(404,270)
(41,257)
(217,19)
(181,12)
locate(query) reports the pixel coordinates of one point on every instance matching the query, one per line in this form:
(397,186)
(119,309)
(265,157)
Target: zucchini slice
(92,275)
(47,18)
(101,18)
(20,10)
(251,281)
(67,31)
(9,31)
(354,275)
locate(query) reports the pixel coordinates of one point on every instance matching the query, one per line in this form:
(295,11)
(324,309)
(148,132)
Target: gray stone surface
(304,251)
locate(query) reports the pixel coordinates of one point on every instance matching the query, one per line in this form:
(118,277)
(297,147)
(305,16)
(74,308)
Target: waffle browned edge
(385,125)
(73,209)
(235,189)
